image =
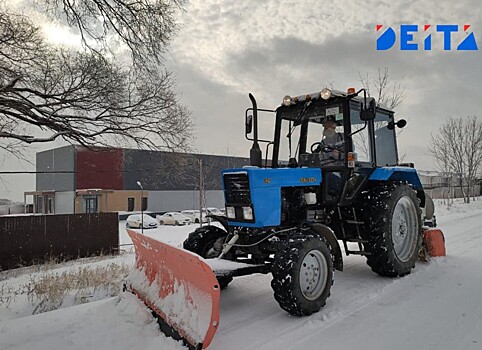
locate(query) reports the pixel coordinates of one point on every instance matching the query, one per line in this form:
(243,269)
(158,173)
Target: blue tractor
(287,213)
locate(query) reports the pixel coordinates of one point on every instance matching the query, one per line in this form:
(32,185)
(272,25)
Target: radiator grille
(236,188)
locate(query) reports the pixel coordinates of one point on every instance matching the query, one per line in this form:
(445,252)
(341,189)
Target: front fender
(328,234)
(221,219)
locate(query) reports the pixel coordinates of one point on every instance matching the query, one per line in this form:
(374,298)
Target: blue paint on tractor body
(265,188)
(397,173)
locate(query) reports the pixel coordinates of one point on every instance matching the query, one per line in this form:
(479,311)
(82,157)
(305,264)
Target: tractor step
(356,240)
(354,222)
(357,252)
(359,241)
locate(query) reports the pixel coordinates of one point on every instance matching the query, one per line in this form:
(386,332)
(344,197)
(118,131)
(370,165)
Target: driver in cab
(331,145)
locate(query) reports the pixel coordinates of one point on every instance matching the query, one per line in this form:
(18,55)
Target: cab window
(360,139)
(385,144)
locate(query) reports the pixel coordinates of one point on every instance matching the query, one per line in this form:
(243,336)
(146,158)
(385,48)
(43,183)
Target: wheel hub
(313,274)
(404,228)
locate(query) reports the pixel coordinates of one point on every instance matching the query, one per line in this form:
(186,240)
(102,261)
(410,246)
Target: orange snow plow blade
(435,241)
(179,287)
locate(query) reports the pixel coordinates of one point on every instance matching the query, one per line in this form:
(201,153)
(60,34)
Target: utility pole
(201,192)
(142,206)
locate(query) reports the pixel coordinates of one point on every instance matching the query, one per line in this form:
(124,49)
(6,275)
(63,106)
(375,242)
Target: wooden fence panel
(25,240)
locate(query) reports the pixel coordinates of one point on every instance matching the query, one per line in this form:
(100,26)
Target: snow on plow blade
(179,287)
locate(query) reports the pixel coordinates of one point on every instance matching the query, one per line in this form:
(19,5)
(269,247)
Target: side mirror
(249,124)
(400,124)
(368,110)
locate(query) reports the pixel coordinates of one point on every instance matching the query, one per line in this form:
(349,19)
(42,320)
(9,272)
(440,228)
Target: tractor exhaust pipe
(255,156)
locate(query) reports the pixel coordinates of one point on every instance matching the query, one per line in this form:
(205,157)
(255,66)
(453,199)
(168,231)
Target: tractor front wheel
(303,276)
(207,241)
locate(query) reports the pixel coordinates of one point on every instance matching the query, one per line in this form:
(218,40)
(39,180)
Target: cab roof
(296,100)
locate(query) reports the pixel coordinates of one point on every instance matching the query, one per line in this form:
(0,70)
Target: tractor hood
(260,190)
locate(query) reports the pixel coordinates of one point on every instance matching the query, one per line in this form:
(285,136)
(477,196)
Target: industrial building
(75,179)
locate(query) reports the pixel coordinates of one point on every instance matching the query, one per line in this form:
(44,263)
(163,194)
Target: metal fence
(25,240)
(12,209)
(453,192)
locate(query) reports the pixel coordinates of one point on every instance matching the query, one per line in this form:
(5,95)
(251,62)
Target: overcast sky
(226,49)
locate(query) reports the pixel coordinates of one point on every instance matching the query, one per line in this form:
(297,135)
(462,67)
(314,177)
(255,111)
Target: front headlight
(230,213)
(325,93)
(287,100)
(247,213)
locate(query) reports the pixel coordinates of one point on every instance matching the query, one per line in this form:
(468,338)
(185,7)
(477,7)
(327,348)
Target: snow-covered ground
(438,306)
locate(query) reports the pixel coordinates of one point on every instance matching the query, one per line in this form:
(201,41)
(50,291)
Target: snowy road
(438,306)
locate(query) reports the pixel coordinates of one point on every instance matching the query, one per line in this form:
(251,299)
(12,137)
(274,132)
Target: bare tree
(49,93)
(457,149)
(473,151)
(387,93)
(145,27)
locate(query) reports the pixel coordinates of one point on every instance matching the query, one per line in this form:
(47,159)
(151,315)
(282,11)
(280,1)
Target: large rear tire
(207,241)
(393,229)
(303,276)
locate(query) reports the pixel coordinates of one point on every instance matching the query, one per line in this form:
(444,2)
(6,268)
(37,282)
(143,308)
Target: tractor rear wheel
(207,241)
(393,229)
(303,276)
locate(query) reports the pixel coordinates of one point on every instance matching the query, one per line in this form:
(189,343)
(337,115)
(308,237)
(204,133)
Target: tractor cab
(364,139)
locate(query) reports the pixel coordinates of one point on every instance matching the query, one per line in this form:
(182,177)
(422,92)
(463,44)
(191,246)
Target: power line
(77,172)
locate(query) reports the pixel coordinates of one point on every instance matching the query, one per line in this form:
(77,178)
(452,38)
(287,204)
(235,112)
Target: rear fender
(328,234)
(399,173)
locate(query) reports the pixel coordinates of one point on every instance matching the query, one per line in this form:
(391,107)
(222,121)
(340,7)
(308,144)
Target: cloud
(226,49)
(275,48)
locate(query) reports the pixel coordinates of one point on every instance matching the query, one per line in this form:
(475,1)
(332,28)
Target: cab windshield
(302,128)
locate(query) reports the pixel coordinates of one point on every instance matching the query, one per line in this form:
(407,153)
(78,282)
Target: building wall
(44,203)
(108,201)
(170,180)
(183,200)
(58,159)
(145,167)
(64,202)
(214,199)
(163,171)
(118,200)
(157,201)
(102,169)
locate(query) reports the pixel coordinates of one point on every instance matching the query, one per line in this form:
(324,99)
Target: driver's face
(329,125)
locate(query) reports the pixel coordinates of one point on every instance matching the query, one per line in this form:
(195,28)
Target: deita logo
(411,38)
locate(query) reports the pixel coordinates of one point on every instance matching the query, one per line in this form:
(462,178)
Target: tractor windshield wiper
(299,118)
